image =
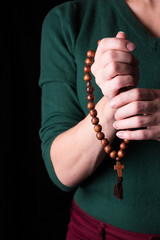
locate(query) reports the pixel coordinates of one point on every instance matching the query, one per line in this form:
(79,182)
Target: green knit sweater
(68,32)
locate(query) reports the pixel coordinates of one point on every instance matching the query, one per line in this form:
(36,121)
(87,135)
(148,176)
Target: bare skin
(148,14)
(115,68)
(75,156)
(145,102)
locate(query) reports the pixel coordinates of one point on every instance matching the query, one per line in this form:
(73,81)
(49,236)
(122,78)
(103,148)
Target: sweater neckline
(129,17)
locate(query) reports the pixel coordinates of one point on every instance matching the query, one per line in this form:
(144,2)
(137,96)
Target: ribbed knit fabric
(68,32)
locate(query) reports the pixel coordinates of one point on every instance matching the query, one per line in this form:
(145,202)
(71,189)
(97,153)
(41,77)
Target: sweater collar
(130,19)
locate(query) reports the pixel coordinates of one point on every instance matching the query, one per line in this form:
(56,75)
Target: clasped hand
(137,110)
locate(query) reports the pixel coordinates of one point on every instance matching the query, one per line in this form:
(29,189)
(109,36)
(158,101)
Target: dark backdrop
(31,206)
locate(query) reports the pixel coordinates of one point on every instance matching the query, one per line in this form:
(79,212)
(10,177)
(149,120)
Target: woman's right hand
(115,68)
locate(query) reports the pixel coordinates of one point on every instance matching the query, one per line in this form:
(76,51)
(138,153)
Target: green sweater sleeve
(60,106)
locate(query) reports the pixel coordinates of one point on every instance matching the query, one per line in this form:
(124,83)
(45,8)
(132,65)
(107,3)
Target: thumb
(121,35)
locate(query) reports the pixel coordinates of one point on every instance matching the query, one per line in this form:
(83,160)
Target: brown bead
(117,159)
(98,42)
(90,97)
(87,77)
(121,154)
(87,69)
(95,120)
(93,112)
(100,135)
(113,154)
(104,142)
(97,128)
(123,146)
(89,61)
(126,141)
(91,105)
(108,148)
(90,89)
(90,54)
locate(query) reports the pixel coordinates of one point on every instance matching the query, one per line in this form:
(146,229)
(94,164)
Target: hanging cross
(119,168)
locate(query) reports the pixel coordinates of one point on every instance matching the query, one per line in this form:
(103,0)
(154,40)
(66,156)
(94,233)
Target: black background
(31,206)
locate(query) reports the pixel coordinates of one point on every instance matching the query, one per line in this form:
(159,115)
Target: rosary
(118,189)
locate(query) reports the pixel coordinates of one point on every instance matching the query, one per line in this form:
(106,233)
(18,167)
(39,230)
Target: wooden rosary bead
(93,112)
(108,148)
(98,42)
(95,120)
(126,141)
(121,154)
(89,61)
(123,146)
(90,89)
(91,105)
(90,54)
(100,135)
(97,128)
(104,142)
(87,77)
(113,154)
(87,69)
(90,97)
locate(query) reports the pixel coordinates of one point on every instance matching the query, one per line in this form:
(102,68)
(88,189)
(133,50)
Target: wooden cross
(119,168)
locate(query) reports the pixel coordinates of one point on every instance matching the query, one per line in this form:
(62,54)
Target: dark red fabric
(84,227)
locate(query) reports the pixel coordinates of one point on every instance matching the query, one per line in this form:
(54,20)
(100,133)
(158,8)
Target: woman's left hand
(138,114)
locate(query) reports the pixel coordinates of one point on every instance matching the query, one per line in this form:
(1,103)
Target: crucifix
(119,168)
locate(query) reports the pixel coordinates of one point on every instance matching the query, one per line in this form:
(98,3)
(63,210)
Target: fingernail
(119,134)
(121,32)
(130,46)
(112,104)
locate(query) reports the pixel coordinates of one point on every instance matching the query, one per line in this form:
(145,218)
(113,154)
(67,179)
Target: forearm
(76,153)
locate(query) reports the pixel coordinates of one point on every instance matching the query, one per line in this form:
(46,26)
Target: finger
(116,56)
(139,121)
(123,81)
(136,94)
(121,35)
(144,134)
(116,84)
(115,68)
(114,44)
(134,108)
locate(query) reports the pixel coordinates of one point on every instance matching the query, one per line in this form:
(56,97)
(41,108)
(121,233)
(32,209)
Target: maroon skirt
(84,227)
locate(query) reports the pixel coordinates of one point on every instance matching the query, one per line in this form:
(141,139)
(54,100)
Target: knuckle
(137,93)
(139,121)
(155,120)
(93,69)
(153,94)
(99,78)
(138,107)
(121,44)
(117,83)
(111,55)
(114,67)
(144,134)
(129,78)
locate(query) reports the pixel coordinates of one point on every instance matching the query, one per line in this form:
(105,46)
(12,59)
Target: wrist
(106,116)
